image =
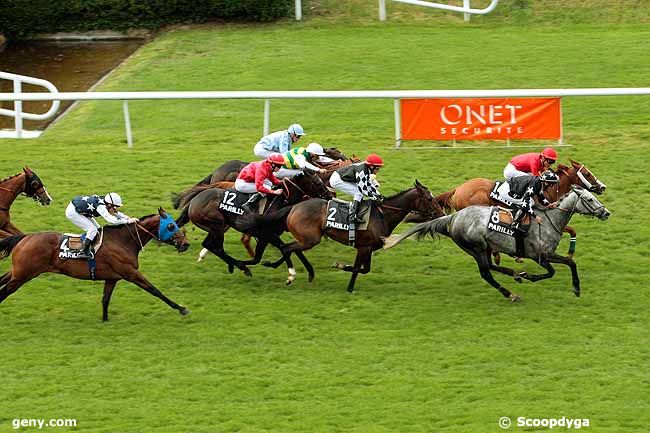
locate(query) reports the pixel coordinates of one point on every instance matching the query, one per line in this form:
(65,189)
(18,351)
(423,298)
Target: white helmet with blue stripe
(296,129)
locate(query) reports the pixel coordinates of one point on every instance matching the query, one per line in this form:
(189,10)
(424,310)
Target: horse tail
(176,197)
(206,180)
(184,216)
(186,196)
(8,244)
(444,200)
(432,228)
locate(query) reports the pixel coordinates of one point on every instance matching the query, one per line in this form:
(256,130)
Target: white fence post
(18,110)
(298,10)
(398,122)
(382,10)
(267,116)
(127,123)
(466,16)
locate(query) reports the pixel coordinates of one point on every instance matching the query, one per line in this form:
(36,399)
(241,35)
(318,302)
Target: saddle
(71,245)
(233,201)
(338,214)
(500,221)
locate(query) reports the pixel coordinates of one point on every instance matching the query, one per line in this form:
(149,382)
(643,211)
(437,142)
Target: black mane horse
(27,183)
(201,206)
(117,259)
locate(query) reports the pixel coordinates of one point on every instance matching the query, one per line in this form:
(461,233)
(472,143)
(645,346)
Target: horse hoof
(338,265)
(522,274)
(288,282)
(518,279)
(266,263)
(311,278)
(519,259)
(515,298)
(577,293)
(247,272)
(231,268)
(185,311)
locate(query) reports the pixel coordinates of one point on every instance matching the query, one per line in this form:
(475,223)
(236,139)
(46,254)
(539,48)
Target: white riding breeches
(249,187)
(261,152)
(510,171)
(287,172)
(347,187)
(88,225)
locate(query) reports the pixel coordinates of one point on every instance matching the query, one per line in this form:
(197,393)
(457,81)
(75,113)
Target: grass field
(425,345)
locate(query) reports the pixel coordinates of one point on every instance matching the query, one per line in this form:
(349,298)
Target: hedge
(21,18)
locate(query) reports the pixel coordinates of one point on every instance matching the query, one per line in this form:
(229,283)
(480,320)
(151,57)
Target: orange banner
(481,119)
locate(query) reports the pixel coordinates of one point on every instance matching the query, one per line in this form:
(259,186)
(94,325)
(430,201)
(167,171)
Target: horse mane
(121,226)
(398,194)
(10,177)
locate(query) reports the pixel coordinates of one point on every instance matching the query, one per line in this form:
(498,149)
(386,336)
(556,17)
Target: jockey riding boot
(250,204)
(87,248)
(516,219)
(354,212)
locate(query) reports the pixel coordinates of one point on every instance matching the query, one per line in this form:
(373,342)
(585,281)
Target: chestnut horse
(306,222)
(27,183)
(477,192)
(117,259)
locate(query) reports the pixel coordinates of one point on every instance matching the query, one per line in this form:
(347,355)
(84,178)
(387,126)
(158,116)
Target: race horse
(468,228)
(27,183)
(306,222)
(477,192)
(202,205)
(117,259)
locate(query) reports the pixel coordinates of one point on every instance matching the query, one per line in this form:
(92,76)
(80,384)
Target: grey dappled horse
(468,229)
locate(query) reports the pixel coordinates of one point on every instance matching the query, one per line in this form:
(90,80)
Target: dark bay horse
(117,259)
(201,206)
(477,192)
(306,222)
(27,183)
(468,228)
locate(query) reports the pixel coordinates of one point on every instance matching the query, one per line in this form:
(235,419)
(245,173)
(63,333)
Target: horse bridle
(588,185)
(171,240)
(573,209)
(417,212)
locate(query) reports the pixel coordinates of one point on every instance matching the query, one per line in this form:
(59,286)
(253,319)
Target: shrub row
(21,18)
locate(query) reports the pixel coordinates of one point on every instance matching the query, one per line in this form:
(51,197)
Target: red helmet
(374,159)
(549,153)
(275,158)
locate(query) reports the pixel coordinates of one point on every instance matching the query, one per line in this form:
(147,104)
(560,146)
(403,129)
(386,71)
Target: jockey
(358,180)
(258,177)
(83,209)
(530,163)
(298,159)
(278,142)
(522,191)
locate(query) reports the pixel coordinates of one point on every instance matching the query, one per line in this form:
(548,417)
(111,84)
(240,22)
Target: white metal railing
(466,9)
(17,113)
(267,96)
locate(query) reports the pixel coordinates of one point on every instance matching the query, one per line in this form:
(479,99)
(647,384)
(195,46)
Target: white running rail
(466,9)
(17,112)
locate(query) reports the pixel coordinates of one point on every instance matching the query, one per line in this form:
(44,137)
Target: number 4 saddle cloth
(338,212)
(71,245)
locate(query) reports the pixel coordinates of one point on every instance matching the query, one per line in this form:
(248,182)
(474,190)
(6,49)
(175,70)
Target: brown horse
(27,183)
(477,192)
(306,222)
(201,206)
(117,259)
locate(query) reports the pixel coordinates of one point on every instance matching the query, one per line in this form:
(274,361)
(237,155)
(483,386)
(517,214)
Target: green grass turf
(425,345)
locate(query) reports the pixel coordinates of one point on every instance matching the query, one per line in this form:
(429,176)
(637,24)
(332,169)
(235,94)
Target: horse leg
(484,265)
(10,287)
(214,243)
(550,271)
(502,269)
(138,279)
(246,240)
(362,263)
(12,229)
(556,258)
(5,279)
(572,243)
(307,265)
(109,285)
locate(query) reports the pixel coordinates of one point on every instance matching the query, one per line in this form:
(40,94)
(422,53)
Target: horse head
(585,178)
(35,189)
(335,154)
(305,185)
(426,204)
(169,233)
(583,202)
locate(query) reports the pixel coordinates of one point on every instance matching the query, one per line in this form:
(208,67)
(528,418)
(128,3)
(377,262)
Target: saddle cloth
(71,245)
(500,221)
(500,193)
(233,200)
(338,212)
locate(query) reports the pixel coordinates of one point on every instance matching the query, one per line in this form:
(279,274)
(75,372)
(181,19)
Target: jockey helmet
(549,176)
(296,129)
(549,153)
(375,160)
(316,149)
(276,159)
(113,199)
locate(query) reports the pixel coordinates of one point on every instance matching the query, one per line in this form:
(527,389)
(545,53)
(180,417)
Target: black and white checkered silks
(366,185)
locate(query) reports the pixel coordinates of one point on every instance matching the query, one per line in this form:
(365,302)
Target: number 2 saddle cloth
(338,212)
